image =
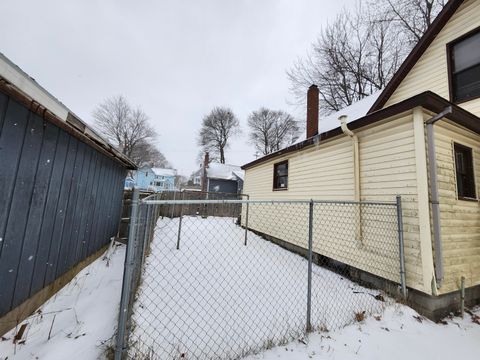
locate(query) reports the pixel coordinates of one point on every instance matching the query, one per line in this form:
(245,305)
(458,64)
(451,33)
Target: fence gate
(222,279)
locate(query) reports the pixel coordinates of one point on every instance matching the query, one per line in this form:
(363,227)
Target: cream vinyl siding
(333,161)
(460,219)
(430,72)
(325,172)
(387,169)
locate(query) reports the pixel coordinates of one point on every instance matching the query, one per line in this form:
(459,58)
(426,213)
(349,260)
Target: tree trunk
(222,156)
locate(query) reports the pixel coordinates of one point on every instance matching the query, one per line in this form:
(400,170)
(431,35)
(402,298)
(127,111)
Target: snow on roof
(240,174)
(164,172)
(354,112)
(224,171)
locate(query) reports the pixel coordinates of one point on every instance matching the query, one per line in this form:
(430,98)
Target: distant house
(155,179)
(129,183)
(216,177)
(419,138)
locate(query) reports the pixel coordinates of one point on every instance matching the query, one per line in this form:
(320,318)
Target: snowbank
(399,334)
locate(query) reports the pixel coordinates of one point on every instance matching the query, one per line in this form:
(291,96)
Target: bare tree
(123,125)
(413,16)
(359,52)
(147,154)
(272,130)
(353,57)
(217,128)
(129,129)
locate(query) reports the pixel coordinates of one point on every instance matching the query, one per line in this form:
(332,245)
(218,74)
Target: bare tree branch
(359,52)
(128,129)
(217,128)
(272,130)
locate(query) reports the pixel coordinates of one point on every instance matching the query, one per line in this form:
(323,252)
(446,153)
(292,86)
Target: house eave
(428,100)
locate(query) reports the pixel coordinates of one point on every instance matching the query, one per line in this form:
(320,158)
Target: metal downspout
(434,200)
(356,165)
(356,153)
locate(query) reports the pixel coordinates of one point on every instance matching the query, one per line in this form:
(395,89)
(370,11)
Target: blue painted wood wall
(60,201)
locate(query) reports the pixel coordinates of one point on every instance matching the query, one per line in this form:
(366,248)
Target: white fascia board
(30,87)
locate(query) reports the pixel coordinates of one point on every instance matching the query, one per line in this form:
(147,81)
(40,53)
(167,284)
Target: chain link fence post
(246,219)
(401,247)
(146,236)
(309,279)
(180,223)
(127,280)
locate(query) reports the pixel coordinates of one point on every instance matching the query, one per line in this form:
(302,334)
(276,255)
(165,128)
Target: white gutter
(356,166)
(356,154)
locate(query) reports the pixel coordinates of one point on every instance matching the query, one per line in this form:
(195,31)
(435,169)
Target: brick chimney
(206,161)
(312,111)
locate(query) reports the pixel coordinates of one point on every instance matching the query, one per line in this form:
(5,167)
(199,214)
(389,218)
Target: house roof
(225,171)
(427,100)
(353,112)
(20,86)
(164,172)
(427,38)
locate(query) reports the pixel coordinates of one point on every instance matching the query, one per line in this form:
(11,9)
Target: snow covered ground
(400,333)
(203,311)
(80,319)
(217,298)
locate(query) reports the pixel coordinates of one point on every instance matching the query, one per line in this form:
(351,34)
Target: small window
(280,176)
(464,171)
(465,68)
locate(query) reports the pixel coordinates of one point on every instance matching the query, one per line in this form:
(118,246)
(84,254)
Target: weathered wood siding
(460,219)
(60,202)
(326,172)
(430,72)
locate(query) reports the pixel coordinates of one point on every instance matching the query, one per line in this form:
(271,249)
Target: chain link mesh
(206,285)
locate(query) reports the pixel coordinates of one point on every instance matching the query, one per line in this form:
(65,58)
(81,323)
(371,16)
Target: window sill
(458,102)
(467,199)
(279,189)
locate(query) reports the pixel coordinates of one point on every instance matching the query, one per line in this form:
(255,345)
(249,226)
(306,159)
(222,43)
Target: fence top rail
(192,202)
(183,191)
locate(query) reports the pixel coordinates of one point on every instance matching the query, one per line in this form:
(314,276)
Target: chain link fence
(222,279)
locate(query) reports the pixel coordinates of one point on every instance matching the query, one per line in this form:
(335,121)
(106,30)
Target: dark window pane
(282,182)
(282,170)
(467,83)
(464,172)
(280,175)
(466,53)
(465,60)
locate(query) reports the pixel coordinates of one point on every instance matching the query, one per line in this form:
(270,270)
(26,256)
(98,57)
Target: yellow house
(418,138)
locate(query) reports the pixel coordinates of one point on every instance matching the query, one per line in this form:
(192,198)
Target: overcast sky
(176,59)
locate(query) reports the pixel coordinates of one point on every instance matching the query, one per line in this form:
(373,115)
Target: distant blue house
(155,179)
(129,183)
